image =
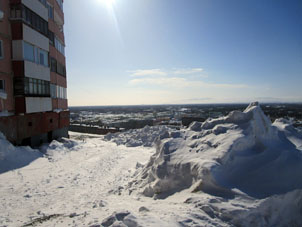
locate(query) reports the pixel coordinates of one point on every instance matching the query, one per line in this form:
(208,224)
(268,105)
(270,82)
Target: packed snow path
(78,184)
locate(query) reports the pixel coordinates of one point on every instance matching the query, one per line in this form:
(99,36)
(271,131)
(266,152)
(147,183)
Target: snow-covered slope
(240,151)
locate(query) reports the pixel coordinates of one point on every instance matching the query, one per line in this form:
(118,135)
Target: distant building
(33,100)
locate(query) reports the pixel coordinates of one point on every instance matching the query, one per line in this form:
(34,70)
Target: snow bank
(240,151)
(12,157)
(139,137)
(58,149)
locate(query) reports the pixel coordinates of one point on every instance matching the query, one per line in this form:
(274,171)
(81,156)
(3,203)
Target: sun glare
(108,3)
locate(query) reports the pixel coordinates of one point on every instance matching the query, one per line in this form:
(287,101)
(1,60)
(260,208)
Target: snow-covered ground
(238,170)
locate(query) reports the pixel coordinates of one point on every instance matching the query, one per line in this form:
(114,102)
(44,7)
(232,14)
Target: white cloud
(188,71)
(164,81)
(160,72)
(181,83)
(148,72)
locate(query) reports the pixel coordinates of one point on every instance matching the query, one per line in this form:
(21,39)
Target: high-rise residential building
(33,99)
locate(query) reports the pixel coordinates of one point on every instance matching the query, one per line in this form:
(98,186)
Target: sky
(133,52)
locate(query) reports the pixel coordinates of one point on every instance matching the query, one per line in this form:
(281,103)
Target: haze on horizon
(122,52)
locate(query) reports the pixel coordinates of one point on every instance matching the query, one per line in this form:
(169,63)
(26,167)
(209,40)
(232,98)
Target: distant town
(104,119)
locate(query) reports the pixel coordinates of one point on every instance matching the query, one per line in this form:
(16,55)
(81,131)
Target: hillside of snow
(237,170)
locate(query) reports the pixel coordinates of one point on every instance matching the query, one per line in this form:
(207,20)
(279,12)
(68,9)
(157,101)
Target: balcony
(39,9)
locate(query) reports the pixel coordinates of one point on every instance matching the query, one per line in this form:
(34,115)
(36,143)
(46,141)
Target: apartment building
(33,98)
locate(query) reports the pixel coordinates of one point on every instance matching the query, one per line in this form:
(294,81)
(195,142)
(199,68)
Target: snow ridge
(240,151)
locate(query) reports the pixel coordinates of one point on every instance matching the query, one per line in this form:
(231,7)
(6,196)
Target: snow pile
(139,137)
(59,148)
(240,151)
(12,157)
(281,210)
(292,133)
(277,210)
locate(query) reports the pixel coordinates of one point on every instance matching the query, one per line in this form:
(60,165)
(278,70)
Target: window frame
(50,11)
(36,55)
(2,84)
(31,87)
(1,49)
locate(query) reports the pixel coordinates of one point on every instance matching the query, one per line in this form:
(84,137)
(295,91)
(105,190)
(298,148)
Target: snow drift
(12,157)
(146,136)
(242,151)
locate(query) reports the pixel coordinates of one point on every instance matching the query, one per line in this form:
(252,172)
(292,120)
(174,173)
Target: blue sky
(125,52)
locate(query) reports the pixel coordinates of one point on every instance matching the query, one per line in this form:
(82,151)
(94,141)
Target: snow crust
(240,151)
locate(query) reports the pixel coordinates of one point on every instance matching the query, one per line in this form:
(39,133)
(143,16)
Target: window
(53,92)
(1,50)
(57,67)
(35,54)
(30,18)
(50,11)
(59,46)
(28,51)
(61,69)
(51,37)
(58,91)
(31,87)
(2,85)
(43,57)
(53,65)
(15,11)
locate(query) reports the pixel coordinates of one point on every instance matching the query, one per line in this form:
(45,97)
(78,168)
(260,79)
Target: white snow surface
(146,136)
(239,170)
(12,157)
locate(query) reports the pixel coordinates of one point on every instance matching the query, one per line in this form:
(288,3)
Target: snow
(15,157)
(240,151)
(146,136)
(238,170)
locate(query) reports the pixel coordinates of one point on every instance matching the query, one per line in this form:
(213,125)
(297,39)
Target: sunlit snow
(235,170)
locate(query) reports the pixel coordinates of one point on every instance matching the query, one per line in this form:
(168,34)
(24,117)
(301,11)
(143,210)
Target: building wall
(20,127)
(5,62)
(34,119)
(60,104)
(38,104)
(56,26)
(17,50)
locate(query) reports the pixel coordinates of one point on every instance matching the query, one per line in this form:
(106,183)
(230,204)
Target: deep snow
(238,170)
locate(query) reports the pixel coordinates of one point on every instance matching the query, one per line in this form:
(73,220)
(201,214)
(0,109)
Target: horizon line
(184,104)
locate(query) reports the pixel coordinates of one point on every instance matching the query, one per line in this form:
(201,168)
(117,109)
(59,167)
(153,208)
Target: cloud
(188,71)
(181,83)
(148,72)
(160,72)
(164,81)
